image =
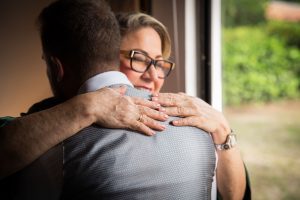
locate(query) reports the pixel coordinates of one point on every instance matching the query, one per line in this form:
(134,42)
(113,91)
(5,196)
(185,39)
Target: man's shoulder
(43,105)
(5,120)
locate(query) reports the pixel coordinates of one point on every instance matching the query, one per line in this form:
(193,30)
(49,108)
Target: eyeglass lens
(141,62)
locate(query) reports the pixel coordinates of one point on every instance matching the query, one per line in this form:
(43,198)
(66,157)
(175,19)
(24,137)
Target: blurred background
(255,44)
(23,78)
(261,90)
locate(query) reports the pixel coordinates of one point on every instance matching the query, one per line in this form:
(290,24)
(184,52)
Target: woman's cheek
(159,85)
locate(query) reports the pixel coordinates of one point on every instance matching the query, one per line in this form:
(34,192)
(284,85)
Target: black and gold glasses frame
(141,62)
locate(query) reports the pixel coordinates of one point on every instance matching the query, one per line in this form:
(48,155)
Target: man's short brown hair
(80,33)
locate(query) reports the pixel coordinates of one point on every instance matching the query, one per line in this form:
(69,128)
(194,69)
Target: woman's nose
(151,73)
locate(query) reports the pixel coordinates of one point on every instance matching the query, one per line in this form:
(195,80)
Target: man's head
(79,38)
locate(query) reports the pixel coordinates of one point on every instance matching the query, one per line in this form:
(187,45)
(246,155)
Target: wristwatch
(230,142)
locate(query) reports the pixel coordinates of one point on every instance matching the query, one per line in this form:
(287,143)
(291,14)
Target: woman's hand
(111,109)
(195,112)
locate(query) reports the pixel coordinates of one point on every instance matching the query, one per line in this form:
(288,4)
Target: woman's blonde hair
(130,22)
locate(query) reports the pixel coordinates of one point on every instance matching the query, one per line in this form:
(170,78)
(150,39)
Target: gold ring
(140,119)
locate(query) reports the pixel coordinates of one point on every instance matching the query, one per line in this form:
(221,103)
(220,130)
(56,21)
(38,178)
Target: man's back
(177,163)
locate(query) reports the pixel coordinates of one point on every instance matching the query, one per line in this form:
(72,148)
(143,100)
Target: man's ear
(58,67)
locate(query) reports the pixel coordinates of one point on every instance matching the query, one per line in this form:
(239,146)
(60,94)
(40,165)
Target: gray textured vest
(100,163)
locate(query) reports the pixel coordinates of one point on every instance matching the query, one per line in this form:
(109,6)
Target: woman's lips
(144,88)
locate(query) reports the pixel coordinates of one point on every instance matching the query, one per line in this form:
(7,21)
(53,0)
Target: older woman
(145,48)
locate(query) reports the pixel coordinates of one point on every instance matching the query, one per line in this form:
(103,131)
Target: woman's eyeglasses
(140,62)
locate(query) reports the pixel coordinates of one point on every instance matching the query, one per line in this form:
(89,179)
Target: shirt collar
(104,80)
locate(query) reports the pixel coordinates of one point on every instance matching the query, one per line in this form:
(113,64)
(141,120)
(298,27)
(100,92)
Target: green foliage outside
(288,31)
(261,59)
(243,12)
(258,67)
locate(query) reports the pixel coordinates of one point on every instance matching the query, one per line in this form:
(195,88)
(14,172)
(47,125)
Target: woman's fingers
(110,109)
(146,125)
(180,111)
(149,122)
(196,121)
(121,90)
(178,104)
(145,102)
(212,126)
(140,127)
(148,117)
(167,99)
(154,114)
(196,112)
(142,118)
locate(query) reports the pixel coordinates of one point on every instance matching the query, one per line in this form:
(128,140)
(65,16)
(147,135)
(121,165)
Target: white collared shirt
(104,80)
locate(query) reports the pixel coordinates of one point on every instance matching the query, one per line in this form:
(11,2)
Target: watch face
(230,142)
(226,146)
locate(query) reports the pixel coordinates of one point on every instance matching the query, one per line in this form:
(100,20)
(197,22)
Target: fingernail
(155,95)
(162,109)
(175,122)
(163,127)
(157,105)
(154,99)
(166,116)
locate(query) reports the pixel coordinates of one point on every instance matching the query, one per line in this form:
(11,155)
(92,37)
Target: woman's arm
(26,138)
(231,181)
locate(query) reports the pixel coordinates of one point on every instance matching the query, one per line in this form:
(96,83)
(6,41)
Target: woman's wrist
(219,136)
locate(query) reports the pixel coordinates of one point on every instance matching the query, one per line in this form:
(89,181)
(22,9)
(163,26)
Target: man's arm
(5,120)
(26,138)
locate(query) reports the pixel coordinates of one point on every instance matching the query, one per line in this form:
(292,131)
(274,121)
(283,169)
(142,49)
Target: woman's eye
(159,64)
(138,58)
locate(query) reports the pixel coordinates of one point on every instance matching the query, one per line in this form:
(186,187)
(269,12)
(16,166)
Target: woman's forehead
(145,39)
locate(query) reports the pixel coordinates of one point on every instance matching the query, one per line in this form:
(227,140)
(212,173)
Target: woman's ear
(58,68)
